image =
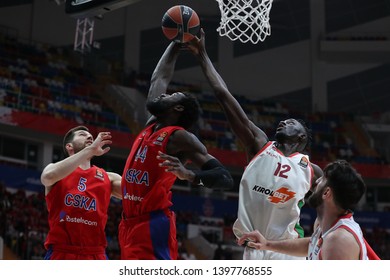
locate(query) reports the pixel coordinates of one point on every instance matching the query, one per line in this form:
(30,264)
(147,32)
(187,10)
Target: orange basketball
(180,24)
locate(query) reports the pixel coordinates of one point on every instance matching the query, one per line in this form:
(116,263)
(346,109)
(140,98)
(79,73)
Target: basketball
(180,24)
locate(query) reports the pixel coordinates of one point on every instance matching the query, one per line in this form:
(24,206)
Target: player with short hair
(77,197)
(156,159)
(279,174)
(337,235)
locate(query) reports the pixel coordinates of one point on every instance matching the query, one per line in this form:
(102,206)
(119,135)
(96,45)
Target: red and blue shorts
(67,252)
(149,237)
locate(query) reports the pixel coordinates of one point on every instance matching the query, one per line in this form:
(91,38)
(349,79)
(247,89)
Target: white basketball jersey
(347,222)
(271,194)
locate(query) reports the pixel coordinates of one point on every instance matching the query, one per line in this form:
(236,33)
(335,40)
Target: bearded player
(77,197)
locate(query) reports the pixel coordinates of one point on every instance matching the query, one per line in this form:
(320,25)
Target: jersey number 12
(281,170)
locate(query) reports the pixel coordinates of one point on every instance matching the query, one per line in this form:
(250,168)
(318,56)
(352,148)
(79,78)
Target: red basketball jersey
(146,186)
(77,208)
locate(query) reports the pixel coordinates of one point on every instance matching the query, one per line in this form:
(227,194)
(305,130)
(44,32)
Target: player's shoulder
(183,140)
(340,244)
(182,135)
(341,236)
(114,176)
(93,167)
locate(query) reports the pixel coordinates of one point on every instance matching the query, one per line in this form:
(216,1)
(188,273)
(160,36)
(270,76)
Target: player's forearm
(59,170)
(232,108)
(214,175)
(163,73)
(115,180)
(215,80)
(237,118)
(295,247)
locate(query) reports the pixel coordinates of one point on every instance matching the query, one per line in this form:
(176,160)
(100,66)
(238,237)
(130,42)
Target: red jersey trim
(346,216)
(261,150)
(356,238)
(370,252)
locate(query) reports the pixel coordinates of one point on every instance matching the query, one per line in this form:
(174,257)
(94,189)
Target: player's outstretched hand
(196,45)
(99,146)
(253,239)
(174,165)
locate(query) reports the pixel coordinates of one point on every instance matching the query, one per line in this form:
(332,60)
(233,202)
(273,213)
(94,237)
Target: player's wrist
(191,177)
(90,151)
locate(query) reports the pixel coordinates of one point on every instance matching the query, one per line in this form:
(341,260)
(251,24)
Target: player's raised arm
(162,74)
(54,172)
(252,137)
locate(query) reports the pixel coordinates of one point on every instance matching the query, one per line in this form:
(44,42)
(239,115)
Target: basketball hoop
(245,20)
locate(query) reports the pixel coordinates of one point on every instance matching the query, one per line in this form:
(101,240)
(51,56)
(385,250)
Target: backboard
(91,8)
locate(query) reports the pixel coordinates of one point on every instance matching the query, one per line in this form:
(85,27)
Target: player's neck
(286,148)
(162,123)
(330,218)
(85,165)
(170,118)
(158,126)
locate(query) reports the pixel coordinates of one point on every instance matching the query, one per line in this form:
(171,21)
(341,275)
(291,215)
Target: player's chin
(280,136)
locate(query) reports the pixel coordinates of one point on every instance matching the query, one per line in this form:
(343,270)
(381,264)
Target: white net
(245,20)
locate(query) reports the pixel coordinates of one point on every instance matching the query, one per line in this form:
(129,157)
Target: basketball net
(245,20)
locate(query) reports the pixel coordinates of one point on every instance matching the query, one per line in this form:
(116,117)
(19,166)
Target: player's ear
(327,192)
(302,137)
(69,147)
(179,108)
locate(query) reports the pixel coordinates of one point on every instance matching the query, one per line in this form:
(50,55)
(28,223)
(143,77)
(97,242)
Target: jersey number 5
(82,186)
(281,170)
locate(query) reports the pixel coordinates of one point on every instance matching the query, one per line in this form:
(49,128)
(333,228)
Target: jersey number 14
(141,154)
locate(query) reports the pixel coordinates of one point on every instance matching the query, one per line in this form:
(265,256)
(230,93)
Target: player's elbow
(225,181)
(214,175)
(222,179)
(47,178)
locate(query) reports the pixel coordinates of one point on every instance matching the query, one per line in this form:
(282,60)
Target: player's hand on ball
(197,45)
